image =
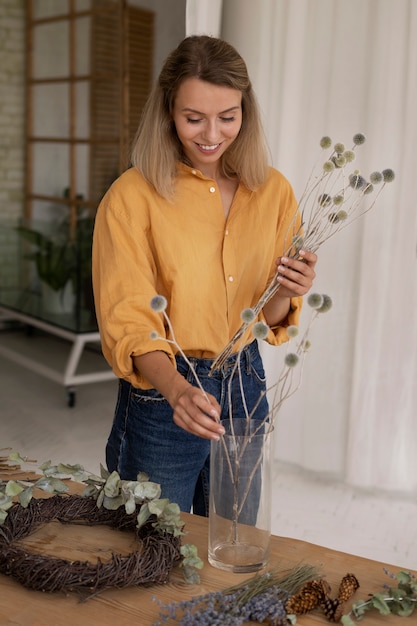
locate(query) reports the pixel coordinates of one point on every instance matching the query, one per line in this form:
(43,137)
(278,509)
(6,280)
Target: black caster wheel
(71,396)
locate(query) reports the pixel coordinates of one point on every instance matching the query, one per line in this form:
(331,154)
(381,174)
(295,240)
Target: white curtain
(203,17)
(337,67)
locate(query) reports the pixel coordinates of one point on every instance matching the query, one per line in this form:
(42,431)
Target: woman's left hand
(296,276)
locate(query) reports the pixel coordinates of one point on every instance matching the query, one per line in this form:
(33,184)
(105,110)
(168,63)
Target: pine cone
(333,609)
(349,584)
(308,598)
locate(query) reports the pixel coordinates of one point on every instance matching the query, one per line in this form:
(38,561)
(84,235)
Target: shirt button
(193,171)
(227,231)
(230,279)
(212,189)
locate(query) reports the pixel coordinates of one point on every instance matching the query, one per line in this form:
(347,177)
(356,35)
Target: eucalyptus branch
(400,600)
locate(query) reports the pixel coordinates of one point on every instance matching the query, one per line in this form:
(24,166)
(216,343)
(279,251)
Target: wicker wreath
(151,562)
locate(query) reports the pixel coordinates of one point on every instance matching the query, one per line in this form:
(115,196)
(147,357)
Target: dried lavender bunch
(259,599)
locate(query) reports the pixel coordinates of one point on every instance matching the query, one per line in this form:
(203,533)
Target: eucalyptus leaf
(51,485)
(59,486)
(72,470)
(191,575)
(128,486)
(147,491)
(51,470)
(360,607)
(90,492)
(100,499)
(45,465)
(156,507)
(379,603)
(130,505)
(5,502)
(403,578)
(172,511)
(25,497)
(403,608)
(396,593)
(142,477)
(112,485)
(144,515)
(93,480)
(188,550)
(195,561)
(113,503)
(3,516)
(104,473)
(13,488)
(16,458)
(346,621)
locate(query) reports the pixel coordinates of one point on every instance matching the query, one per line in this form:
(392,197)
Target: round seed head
(339,147)
(342,215)
(315,300)
(359,139)
(324,199)
(340,161)
(333,218)
(327,304)
(328,166)
(388,175)
(349,156)
(338,200)
(376,177)
(356,181)
(291,359)
(260,330)
(247,315)
(369,188)
(159,304)
(292,331)
(325,142)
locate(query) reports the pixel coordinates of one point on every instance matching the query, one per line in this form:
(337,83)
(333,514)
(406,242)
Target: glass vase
(240,496)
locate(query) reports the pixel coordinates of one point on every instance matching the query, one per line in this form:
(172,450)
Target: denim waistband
(202,367)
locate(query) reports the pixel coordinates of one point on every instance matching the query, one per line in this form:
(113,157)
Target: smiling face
(208,119)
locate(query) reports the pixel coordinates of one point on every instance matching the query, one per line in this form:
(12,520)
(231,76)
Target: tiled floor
(36,421)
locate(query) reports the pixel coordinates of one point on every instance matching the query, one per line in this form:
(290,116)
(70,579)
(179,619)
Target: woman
(201,219)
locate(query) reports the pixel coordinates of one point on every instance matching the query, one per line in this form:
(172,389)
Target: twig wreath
(132,506)
(150,562)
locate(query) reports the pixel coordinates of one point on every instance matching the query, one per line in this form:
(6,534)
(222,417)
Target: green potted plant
(62,260)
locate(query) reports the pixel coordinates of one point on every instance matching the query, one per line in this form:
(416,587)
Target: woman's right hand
(195,411)
(198,413)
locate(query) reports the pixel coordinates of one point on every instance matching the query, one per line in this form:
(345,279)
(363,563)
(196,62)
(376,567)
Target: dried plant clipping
(333,198)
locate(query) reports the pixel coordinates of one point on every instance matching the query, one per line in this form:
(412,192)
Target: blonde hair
(157,149)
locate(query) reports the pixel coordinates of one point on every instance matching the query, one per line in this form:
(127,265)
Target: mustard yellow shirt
(208,267)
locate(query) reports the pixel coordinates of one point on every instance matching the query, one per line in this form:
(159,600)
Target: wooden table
(137,606)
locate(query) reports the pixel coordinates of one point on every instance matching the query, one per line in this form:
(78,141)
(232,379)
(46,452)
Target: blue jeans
(144,437)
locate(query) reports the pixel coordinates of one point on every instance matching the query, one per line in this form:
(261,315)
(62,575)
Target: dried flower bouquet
(335,196)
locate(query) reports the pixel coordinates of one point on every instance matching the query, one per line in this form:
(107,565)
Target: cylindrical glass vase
(240,497)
